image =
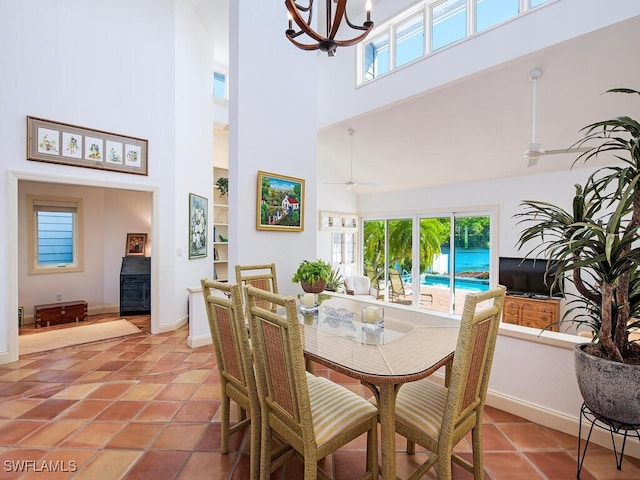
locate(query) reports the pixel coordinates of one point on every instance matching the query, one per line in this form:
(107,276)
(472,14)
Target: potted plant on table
(313,276)
(595,247)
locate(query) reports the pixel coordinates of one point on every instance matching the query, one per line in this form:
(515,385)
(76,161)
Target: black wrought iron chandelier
(327,43)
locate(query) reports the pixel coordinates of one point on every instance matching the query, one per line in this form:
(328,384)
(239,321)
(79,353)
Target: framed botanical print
(198,208)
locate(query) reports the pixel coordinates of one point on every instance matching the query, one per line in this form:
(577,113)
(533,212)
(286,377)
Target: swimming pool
(442,281)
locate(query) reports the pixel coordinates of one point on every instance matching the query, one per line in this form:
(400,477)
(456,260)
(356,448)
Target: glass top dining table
(410,346)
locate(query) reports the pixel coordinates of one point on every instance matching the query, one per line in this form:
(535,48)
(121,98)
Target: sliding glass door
(427,261)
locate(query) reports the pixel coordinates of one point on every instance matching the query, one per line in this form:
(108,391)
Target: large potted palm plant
(595,247)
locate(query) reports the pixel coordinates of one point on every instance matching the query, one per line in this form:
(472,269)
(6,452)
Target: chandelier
(327,43)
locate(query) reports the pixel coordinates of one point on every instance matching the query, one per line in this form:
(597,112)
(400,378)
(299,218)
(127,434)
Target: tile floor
(146,406)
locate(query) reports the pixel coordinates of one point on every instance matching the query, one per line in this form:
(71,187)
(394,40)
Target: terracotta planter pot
(609,389)
(315,287)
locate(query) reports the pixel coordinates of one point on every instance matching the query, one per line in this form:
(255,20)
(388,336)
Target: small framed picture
(136,244)
(20,316)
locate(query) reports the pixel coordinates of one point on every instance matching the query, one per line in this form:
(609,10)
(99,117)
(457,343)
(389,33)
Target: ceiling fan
(352,182)
(536,150)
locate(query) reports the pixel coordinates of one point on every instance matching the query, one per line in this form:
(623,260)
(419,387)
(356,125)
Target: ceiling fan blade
(568,150)
(533,161)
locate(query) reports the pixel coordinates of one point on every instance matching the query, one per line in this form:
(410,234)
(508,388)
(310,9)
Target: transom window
(54,234)
(429,26)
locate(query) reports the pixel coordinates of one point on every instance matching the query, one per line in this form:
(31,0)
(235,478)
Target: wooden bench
(61,312)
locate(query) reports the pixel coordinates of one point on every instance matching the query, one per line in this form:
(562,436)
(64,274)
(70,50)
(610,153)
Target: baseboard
(199,341)
(172,326)
(104,309)
(552,419)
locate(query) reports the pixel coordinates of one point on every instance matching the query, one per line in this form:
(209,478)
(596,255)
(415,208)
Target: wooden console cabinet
(61,312)
(532,312)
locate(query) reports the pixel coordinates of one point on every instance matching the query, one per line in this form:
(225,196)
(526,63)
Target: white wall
(108,215)
(272,127)
(562,20)
(112,68)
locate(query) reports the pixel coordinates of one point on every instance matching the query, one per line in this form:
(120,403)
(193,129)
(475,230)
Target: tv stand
(535,311)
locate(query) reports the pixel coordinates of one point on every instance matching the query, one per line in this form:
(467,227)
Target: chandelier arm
(367,25)
(353,41)
(337,18)
(301,8)
(292,8)
(304,46)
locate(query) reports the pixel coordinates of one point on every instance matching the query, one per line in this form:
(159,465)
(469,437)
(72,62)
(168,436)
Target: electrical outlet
(58,297)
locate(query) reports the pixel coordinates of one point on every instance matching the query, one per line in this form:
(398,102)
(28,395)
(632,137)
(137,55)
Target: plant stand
(613,426)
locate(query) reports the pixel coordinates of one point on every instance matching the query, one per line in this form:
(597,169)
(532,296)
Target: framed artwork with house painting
(280,203)
(136,244)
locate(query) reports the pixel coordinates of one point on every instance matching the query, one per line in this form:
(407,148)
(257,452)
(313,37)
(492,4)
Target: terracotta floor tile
(84,410)
(179,437)
(142,392)
(159,411)
(12,431)
(110,390)
(120,410)
(77,392)
(158,465)
(61,464)
(136,436)
(51,434)
(557,465)
(196,411)
(602,465)
(193,376)
(216,466)
(48,409)
(109,465)
(158,417)
(528,436)
(510,466)
(15,408)
(93,435)
(13,461)
(178,391)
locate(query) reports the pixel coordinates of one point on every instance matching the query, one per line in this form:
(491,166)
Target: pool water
(461,283)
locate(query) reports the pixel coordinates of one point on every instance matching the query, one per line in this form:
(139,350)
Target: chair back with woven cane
(437,417)
(312,414)
(231,344)
(259,276)
(234,358)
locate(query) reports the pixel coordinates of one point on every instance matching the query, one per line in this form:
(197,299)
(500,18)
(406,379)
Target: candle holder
(372,318)
(308,303)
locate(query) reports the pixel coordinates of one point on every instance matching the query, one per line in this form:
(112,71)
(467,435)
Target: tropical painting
(280,203)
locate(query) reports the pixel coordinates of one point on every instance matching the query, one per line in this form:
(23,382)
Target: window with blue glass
(410,40)
(54,235)
(492,12)
(376,57)
(219,85)
(449,23)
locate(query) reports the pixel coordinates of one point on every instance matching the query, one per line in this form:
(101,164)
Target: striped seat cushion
(334,409)
(421,405)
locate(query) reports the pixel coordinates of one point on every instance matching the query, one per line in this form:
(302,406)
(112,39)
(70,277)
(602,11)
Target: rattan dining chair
(436,417)
(259,276)
(235,367)
(312,414)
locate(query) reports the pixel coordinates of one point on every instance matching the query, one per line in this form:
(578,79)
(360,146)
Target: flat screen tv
(525,277)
